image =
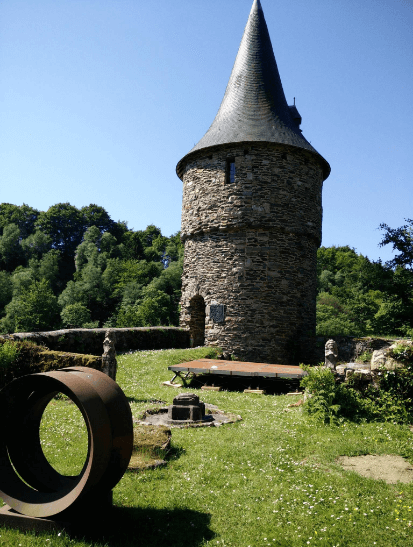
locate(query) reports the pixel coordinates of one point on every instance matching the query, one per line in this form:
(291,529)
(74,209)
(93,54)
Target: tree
(333,319)
(34,309)
(153,310)
(94,215)
(47,267)
(36,244)
(6,289)
(150,233)
(402,241)
(133,247)
(10,250)
(75,315)
(22,216)
(396,312)
(65,224)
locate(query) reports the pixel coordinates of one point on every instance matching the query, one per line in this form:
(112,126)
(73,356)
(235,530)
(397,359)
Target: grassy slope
(268,480)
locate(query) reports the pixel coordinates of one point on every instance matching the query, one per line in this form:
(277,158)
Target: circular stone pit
(214,417)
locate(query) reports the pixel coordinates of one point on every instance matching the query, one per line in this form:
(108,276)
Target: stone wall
(350,348)
(90,341)
(251,247)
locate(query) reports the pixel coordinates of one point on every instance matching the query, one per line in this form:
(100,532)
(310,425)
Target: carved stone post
(109,364)
(331,354)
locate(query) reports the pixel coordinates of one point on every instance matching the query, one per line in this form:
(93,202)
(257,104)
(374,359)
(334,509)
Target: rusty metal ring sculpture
(28,483)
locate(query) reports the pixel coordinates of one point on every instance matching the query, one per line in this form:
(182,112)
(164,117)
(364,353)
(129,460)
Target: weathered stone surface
(251,246)
(109,363)
(382,359)
(378,359)
(331,354)
(186,399)
(342,369)
(360,374)
(350,347)
(186,407)
(90,340)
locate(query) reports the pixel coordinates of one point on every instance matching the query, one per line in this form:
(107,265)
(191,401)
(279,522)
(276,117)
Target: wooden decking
(235,368)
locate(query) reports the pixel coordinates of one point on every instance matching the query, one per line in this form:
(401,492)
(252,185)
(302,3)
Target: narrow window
(230,174)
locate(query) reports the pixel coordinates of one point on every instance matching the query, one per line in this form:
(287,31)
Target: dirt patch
(391,469)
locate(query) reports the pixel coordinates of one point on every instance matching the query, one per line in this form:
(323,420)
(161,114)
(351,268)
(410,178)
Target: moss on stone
(32,359)
(151,445)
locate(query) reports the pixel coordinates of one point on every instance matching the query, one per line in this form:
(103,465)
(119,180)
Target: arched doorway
(197,321)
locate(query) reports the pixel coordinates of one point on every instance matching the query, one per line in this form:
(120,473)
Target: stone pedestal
(186,407)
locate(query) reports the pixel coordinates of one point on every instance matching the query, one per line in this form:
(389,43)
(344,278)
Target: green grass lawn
(270,479)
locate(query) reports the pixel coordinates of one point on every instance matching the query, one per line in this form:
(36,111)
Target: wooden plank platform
(237,368)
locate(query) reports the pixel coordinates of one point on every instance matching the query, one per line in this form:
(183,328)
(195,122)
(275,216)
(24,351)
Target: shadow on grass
(149,401)
(174,453)
(239,383)
(127,527)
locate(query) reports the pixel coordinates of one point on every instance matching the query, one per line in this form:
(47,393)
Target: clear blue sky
(99,99)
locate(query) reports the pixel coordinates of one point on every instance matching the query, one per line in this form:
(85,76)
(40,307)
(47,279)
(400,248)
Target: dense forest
(69,267)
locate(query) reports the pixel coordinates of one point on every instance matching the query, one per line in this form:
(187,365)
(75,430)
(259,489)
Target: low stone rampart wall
(90,341)
(36,359)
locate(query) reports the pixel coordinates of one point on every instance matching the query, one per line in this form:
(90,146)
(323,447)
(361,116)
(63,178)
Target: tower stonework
(251,217)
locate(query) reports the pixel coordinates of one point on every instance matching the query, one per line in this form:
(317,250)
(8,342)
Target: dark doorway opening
(197,321)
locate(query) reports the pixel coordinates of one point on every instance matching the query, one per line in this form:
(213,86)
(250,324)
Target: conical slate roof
(254,108)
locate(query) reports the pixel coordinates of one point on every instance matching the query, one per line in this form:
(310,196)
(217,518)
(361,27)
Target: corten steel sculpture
(251,217)
(28,483)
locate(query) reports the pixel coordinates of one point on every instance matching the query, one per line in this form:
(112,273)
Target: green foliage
(75,315)
(365,297)
(34,308)
(154,309)
(6,288)
(401,240)
(22,216)
(365,357)
(273,475)
(36,244)
(320,384)
(25,357)
(65,225)
(333,319)
(331,402)
(10,250)
(8,354)
(403,352)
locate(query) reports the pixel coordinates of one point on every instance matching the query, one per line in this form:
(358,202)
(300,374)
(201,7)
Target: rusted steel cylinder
(28,483)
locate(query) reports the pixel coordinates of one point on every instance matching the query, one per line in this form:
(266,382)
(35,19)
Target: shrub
(365,357)
(390,401)
(320,383)
(403,353)
(8,354)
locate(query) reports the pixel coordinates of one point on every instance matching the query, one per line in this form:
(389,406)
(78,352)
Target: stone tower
(251,217)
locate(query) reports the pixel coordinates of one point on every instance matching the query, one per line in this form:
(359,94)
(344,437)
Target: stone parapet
(91,340)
